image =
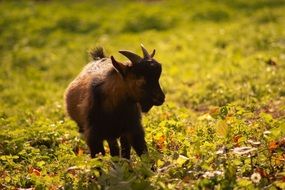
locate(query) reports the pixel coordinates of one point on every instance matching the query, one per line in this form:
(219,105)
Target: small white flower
(183,157)
(255,177)
(218,172)
(212,174)
(243,150)
(208,175)
(254,143)
(266,133)
(221,150)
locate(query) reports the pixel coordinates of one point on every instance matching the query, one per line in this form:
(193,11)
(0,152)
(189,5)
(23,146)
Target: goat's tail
(97,53)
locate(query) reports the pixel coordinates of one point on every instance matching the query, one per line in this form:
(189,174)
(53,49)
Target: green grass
(223,75)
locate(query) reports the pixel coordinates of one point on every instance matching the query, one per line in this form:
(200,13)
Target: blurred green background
(44,45)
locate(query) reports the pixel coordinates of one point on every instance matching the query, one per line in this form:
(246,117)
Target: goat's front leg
(114,147)
(137,141)
(125,147)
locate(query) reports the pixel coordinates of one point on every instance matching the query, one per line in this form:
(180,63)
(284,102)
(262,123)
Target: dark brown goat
(106,100)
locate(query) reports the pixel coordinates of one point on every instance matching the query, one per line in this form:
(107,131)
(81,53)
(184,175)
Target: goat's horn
(134,58)
(145,53)
(152,54)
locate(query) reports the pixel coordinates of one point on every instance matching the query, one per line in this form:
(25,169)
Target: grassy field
(222,125)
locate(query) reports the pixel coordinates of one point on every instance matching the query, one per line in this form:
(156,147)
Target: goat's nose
(158,99)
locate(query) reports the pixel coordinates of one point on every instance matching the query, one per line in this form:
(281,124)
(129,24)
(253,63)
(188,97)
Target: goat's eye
(140,82)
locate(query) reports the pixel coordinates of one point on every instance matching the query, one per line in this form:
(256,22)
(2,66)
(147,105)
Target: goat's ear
(120,67)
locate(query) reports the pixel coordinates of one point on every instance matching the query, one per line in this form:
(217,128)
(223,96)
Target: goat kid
(106,100)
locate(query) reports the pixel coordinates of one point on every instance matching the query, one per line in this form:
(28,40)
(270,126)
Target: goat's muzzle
(158,99)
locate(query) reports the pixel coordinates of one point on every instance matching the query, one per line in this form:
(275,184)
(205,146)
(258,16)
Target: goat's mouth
(145,107)
(158,102)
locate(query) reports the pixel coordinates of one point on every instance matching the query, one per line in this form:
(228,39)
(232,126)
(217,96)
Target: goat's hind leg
(95,144)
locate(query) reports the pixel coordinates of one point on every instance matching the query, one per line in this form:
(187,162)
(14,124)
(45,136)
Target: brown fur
(118,89)
(78,100)
(78,95)
(106,100)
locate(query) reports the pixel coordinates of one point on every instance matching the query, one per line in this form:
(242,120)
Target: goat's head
(142,76)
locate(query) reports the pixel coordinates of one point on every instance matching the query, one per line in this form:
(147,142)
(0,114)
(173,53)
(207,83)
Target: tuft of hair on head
(97,53)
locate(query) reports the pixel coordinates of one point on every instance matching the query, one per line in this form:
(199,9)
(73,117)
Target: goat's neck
(115,91)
